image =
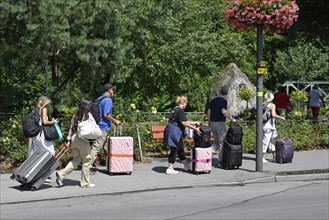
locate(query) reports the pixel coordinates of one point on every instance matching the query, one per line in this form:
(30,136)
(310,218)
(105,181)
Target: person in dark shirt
(282,101)
(174,133)
(217,114)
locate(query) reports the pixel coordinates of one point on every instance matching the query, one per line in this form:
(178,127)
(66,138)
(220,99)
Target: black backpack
(95,109)
(30,123)
(203,141)
(234,134)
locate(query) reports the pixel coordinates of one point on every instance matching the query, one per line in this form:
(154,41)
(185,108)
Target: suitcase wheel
(208,172)
(111,174)
(129,173)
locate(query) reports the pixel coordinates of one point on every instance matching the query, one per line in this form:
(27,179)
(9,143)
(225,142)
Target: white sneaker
(48,180)
(264,160)
(172,172)
(91,185)
(186,167)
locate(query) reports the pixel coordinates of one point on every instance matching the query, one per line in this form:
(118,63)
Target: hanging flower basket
(275,15)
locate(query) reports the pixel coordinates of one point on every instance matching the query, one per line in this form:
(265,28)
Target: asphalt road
(281,200)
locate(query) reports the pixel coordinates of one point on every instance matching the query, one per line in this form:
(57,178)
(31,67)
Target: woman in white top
(80,147)
(39,143)
(269,129)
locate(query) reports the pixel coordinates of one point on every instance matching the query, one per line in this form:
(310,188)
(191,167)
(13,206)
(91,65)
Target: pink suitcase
(119,157)
(201,160)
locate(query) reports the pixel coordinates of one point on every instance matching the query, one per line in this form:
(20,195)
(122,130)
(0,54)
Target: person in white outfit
(39,143)
(81,148)
(269,129)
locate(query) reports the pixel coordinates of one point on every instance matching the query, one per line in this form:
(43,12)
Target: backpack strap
(99,99)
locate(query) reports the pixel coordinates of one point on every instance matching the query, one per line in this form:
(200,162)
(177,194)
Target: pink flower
(274,15)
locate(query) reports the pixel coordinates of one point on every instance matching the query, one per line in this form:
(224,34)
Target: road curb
(302,177)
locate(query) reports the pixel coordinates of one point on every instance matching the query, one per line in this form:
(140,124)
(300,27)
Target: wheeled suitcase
(36,169)
(232,156)
(119,157)
(201,160)
(284,150)
(203,140)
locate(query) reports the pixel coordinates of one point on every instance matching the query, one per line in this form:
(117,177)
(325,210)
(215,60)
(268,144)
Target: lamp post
(275,16)
(259,102)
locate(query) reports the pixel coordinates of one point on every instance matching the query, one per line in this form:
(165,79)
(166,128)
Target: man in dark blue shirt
(217,114)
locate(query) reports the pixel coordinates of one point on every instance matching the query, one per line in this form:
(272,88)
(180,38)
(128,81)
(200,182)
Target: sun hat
(268,97)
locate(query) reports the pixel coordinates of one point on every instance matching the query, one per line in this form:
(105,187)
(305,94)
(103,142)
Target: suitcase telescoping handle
(117,130)
(61,152)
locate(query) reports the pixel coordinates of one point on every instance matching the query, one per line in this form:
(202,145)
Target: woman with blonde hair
(39,143)
(269,129)
(174,133)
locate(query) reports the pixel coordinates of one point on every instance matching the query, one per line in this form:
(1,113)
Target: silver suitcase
(36,169)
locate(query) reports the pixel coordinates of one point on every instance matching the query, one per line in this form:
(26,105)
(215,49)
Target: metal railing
(308,85)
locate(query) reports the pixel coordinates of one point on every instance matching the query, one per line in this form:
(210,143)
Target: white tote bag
(89,130)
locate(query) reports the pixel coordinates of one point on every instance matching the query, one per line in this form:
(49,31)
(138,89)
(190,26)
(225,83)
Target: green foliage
(299,97)
(303,61)
(305,134)
(13,143)
(246,94)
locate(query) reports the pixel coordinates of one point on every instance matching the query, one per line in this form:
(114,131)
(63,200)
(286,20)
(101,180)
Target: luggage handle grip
(117,130)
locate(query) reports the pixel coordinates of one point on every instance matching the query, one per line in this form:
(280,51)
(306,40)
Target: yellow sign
(262,70)
(262,63)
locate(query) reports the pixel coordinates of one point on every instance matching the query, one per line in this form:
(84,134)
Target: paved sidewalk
(306,165)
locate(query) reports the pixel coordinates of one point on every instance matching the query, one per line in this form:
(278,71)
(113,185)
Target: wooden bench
(158,134)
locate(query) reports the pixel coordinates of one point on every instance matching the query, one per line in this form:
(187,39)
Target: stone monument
(235,79)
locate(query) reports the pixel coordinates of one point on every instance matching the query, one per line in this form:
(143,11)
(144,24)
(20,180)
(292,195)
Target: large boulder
(235,79)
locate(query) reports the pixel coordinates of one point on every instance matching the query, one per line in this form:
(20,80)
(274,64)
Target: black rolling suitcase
(232,156)
(232,148)
(36,169)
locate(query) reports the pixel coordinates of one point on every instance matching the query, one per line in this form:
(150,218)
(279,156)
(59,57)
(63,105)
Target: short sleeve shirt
(216,105)
(282,100)
(315,95)
(178,117)
(105,107)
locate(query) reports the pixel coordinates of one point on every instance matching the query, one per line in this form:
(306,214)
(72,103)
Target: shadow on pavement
(24,188)
(160,169)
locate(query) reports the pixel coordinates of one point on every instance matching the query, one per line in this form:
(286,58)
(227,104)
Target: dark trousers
(179,151)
